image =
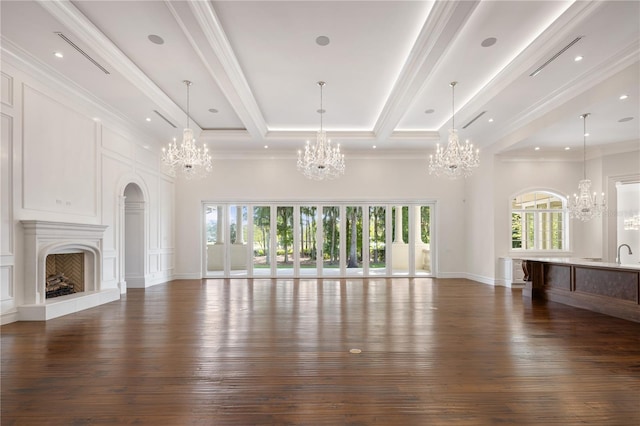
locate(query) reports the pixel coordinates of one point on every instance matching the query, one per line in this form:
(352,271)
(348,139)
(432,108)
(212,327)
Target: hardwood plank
(239,352)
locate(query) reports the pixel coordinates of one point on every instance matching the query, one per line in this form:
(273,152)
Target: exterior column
(418,229)
(398,237)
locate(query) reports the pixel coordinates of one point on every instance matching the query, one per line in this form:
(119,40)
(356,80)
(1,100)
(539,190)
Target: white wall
(61,164)
(628,207)
(276,179)
(619,167)
(489,191)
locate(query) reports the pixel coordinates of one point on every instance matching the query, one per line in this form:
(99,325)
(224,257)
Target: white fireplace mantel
(42,238)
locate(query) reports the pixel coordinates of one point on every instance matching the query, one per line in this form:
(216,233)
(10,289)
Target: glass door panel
(331,240)
(238,254)
(423,240)
(354,240)
(377,240)
(308,244)
(284,239)
(214,229)
(261,241)
(400,246)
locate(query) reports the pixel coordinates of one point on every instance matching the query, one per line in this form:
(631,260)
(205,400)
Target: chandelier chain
(584,145)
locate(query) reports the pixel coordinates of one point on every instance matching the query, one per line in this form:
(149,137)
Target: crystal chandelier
(187,159)
(321,160)
(455,160)
(585,205)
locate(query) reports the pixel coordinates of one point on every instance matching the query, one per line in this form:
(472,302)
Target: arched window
(539,222)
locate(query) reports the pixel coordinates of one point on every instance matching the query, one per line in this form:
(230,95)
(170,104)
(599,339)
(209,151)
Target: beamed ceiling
(388,64)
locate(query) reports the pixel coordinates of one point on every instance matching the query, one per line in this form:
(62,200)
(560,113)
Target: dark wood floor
(242,352)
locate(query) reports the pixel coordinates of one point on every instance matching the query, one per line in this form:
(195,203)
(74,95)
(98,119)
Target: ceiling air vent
(554,57)
(165,119)
(474,119)
(75,46)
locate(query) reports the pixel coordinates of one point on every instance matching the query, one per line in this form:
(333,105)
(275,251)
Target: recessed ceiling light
(537,148)
(155,39)
(429,111)
(266,146)
(586,134)
(148,119)
(623,97)
(146,146)
(58,54)
(625,119)
(213,110)
(322,40)
(491,120)
(488,42)
(567,148)
(374,147)
(578,58)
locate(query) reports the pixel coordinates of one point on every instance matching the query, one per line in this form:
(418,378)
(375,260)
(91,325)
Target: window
(323,239)
(538,222)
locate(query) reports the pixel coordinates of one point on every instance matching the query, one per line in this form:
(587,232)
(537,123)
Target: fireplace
(65,274)
(69,257)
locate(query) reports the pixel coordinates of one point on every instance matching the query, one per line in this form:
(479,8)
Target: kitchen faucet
(619,247)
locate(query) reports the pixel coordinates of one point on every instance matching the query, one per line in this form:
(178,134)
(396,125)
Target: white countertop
(583,262)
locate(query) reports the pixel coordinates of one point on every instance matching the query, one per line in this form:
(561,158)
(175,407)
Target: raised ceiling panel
(275,43)
(129,26)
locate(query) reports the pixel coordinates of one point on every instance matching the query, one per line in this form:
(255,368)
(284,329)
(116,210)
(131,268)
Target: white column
(418,227)
(122,283)
(239,236)
(398,238)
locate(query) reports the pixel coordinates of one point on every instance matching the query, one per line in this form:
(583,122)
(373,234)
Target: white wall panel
(108,268)
(166,262)
(112,171)
(154,263)
(6,185)
(117,143)
(152,204)
(166,197)
(6,283)
(147,157)
(59,157)
(6,89)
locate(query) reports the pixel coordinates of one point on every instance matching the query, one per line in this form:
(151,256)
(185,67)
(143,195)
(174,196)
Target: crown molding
(77,23)
(271,135)
(224,68)
(444,22)
(427,135)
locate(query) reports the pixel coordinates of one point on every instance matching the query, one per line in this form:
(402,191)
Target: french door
(318,239)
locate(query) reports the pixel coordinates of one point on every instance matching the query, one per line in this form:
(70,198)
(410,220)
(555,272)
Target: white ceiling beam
(225,69)
(556,34)
(82,28)
(444,22)
(586,89)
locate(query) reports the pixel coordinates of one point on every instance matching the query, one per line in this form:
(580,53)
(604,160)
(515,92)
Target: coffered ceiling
(387,64)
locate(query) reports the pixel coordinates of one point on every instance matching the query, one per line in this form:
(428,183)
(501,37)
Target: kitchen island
(608,288)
